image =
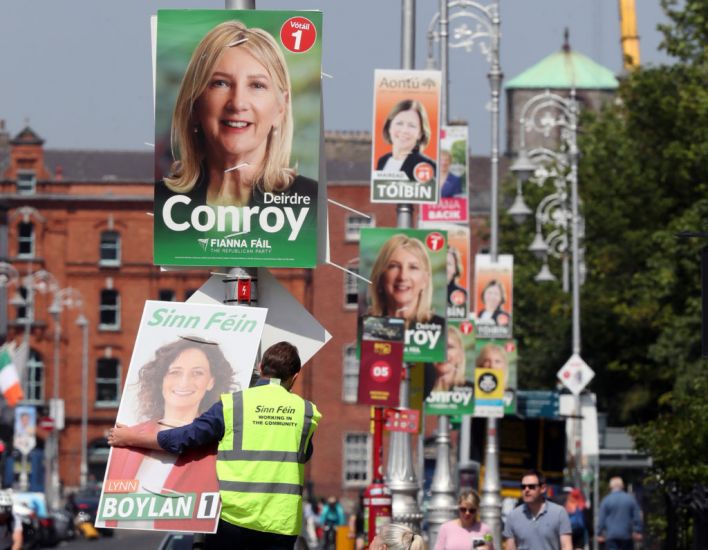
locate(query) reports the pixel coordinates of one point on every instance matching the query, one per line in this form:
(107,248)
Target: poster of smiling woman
(185,357)
(406,132)
(406,268)
(232,185)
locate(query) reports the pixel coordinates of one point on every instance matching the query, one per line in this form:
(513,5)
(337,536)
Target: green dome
(565,70)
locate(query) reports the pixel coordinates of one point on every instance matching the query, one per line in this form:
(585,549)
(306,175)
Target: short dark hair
(538,473)
(281,361)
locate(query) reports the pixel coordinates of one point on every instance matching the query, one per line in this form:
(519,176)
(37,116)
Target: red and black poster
(381,361)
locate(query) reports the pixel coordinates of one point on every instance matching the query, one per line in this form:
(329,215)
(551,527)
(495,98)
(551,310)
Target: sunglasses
(464,510)
(531,486)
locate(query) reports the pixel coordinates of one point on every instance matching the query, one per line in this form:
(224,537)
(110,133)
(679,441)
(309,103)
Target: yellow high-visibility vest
(261,459)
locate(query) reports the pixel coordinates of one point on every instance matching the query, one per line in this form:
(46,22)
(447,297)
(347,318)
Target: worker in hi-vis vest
(265,439)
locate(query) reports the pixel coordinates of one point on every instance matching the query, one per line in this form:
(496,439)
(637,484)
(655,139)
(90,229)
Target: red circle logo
(435,241)
(298,34)
(423,172)
(466,327)
(457,297)
(380,371)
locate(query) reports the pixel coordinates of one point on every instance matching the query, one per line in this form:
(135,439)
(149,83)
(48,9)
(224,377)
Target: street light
(82,322)
(545,113)
(474,24)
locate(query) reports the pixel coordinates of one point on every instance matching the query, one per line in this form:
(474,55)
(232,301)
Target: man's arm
(17,536)
(144,436)
(636,521)
(510,544)
(566,542)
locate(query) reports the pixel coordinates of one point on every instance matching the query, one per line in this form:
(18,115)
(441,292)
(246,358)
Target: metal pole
(240,4)
(400,470)
(83,471)
(596,503)
(52,458)
(442,502)
(491,489)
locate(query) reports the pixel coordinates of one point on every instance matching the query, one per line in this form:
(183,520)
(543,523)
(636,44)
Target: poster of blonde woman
(406,131)
(449,384)
(501,355)
(233,185)
(185,357)
(406,268)
(494,296)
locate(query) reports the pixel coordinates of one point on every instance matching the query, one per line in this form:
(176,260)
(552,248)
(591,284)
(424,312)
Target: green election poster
(233,186)
(407,270)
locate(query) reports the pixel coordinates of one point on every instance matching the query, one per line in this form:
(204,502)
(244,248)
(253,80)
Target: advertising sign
(185,357)
(381,361)
(450,384)
(538,404)
(502,355)
(488,392)
(25,438)
(402,420)
(575,374)
(233,186)
(453,171)
(493,291)
(406,131)
(406,268)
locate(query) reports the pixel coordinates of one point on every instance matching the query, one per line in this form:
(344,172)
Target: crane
(629,37)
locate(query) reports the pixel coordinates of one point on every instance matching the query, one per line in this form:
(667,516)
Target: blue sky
(80,70)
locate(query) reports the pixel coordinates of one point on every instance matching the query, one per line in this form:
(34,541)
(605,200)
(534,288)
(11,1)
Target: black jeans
(232,537)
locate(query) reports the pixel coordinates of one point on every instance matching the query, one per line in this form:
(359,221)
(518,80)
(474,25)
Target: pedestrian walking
(538,523)
(620,518)
(331,517)
(264,436)
(466,531)
(577,508)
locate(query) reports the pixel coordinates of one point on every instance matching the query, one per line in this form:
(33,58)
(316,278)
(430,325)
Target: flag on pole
(9,380)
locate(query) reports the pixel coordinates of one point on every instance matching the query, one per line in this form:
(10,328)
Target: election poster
(493,292)
(185,357)
(502,355)
(453,173)
(25,436)
(457,267)
(406,131)
(449,384)
(233,186)
(488,393)
(406,268)
(381,361)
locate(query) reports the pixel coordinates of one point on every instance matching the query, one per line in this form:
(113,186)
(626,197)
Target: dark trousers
(232,537)
(619,544)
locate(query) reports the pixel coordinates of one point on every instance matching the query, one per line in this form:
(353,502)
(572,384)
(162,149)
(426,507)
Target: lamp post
(69,298)
(82,322)
(474,24)
(546,113)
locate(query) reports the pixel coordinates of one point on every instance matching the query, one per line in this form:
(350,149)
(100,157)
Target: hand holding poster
(185,356)
(493,288)
(233,188)
(405,136)
(406,268)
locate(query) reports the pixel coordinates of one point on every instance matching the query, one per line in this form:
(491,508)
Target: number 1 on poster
(208,505)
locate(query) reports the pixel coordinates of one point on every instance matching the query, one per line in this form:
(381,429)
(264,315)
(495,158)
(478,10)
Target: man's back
(619,515)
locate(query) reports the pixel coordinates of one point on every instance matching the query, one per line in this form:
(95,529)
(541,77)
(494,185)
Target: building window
(34,378)
(24,313)
(26,183)
(25,240)
(357,450)
(109,310)
(166,295)
(107,381)
(352,225)
(350,374)
(351,286)
(110,248)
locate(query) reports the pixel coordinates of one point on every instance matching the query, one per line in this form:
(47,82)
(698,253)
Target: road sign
(46,423)
(537,404)
(575,374)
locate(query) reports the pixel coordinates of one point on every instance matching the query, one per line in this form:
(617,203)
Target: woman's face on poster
(239,107)
(451,265)
(187,380)
(493,358)
(405,130)
(455,355)
(445,161)
(491,298)
(404,279)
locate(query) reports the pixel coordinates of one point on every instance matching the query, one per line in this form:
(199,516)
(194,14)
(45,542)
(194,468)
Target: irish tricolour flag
(9,380)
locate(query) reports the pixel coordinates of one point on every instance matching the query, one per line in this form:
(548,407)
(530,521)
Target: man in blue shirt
(538,524)
(620,518)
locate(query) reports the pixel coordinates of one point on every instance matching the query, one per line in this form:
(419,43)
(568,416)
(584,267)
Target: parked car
(86,500)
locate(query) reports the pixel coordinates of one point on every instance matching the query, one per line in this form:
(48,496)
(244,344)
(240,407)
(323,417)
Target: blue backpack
(577,520)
